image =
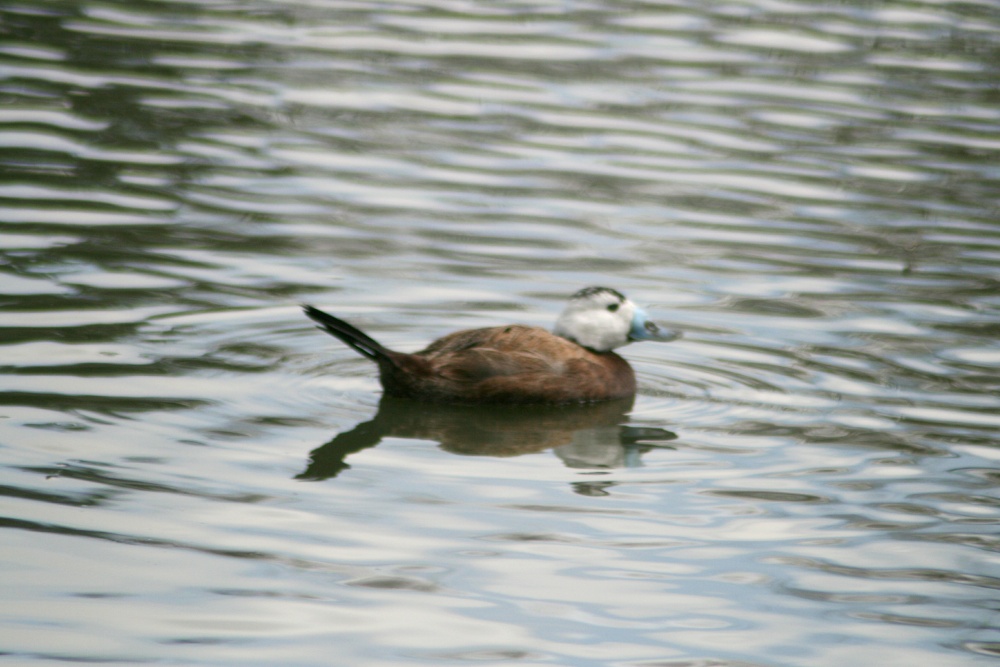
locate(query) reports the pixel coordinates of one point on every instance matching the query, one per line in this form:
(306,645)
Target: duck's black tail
(350,334)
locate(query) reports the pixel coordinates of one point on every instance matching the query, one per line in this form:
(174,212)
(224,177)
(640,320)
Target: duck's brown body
(507,364)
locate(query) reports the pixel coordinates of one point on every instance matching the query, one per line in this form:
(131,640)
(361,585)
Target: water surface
(192,474)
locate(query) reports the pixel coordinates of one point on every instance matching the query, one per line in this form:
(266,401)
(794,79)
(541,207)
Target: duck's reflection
(594,435)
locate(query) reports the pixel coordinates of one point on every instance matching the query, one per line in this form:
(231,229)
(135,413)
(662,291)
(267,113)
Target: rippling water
(192,474)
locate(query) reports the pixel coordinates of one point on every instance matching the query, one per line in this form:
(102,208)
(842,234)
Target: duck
(516,364)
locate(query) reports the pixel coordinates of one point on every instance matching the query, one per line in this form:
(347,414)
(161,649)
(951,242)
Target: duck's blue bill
(644,328)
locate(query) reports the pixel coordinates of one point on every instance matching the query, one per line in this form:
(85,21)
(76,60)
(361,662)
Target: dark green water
(192,474)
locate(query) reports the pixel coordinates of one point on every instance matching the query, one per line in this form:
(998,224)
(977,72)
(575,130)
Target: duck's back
(511,364)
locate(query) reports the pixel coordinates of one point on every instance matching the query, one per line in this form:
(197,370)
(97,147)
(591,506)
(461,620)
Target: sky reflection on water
(807,189)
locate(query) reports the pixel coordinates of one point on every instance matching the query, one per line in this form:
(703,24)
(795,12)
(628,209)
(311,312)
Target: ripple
(957,417)
(20,285)
(784,40)
(32,241)
(119,200)
(80,318)
(42,353)
(121,280)
(58,119)
(806,191)
(773,496)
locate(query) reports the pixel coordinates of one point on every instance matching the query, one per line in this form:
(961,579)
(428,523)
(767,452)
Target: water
(192,474)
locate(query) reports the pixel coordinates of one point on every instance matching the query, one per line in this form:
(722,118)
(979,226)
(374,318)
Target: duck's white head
(601,319)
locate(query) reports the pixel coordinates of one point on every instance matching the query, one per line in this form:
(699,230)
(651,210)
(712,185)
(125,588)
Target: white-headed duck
(517,363)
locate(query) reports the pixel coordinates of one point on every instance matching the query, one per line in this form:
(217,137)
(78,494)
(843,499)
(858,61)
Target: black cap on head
(589,291)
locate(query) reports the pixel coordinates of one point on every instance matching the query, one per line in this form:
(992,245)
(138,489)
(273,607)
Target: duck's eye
(613,307)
